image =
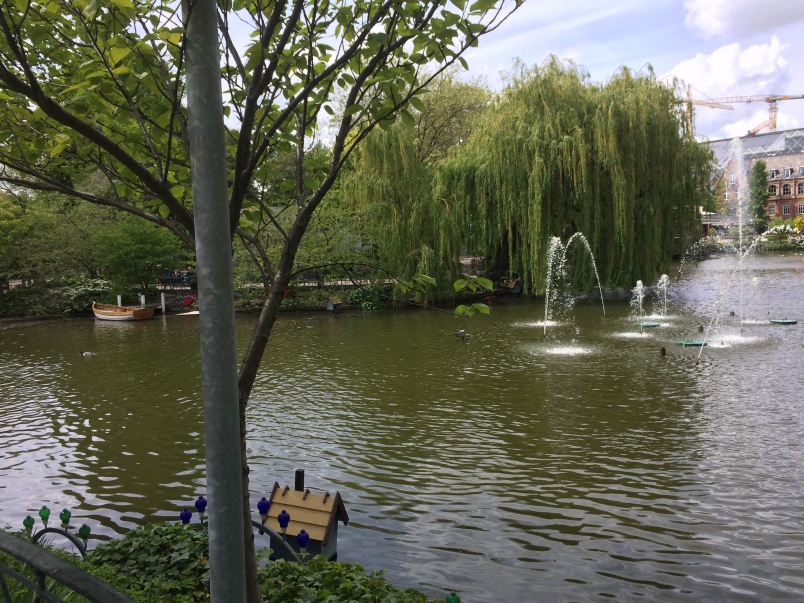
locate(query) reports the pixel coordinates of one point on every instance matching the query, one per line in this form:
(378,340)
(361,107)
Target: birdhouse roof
(313,513)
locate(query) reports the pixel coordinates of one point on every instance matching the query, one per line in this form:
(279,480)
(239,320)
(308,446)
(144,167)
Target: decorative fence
(47,569)
(45,565)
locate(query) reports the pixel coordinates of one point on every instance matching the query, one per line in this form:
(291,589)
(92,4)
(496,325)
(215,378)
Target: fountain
(557,282)
(637,308)
(636,303)
(663,285)
(737,153)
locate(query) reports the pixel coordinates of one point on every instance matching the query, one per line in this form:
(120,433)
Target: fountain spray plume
(636,303)
(663,285)
(716,317)
(742,188)
(557,271)
(713,322)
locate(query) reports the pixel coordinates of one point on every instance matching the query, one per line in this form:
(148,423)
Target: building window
(786,210)
(726,195)
(788,172)
(801,171)
(773,174)
(800,188)
(801,209)
(732,178)
(771,210)
(787,189)
(772,190)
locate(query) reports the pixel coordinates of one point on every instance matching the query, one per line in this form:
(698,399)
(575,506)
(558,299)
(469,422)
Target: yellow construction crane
(727,101)
(773,108)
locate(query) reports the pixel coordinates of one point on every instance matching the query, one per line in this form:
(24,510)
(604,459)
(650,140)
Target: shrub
(169,564)
(373,297)
(35,300)
(80,292)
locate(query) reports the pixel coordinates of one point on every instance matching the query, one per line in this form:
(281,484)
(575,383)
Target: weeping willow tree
(391,183)
(393,190)
(557,155)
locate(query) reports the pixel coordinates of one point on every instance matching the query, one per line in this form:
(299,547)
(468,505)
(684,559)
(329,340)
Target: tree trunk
(248,373)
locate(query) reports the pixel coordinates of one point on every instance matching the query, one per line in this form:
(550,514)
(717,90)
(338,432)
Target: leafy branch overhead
(99,86)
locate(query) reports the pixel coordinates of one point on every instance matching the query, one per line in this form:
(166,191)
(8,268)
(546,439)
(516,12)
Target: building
(783,152)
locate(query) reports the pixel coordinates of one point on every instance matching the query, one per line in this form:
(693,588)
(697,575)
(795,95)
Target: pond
(579,467)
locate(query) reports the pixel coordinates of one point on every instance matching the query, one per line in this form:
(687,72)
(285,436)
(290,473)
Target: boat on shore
(112,312)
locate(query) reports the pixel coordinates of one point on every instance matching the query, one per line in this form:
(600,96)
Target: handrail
(46,564)
(80,545)
(278,537)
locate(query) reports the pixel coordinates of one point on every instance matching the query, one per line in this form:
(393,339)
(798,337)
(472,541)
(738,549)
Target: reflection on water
(493,467)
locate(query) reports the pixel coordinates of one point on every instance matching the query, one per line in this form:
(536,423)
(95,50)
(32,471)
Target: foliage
(370,297)
(164,563)
(390,185)
(79,293)
(558,155)
(135,252)
(321,580)
(168,561)
(758,190)
(781,230)
(36,300)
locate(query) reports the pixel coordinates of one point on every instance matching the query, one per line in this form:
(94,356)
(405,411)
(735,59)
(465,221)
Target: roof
(772,144)
(313,513)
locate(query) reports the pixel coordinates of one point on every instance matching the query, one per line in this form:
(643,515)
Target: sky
(720,47)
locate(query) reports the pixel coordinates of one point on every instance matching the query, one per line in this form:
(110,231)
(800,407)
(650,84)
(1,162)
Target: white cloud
(718,18)
(741,127)
(730,70)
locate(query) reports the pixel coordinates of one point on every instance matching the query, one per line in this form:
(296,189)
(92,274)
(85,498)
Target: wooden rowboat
(111,312)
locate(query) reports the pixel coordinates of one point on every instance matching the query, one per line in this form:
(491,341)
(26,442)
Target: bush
(335,582)
(80,292)
(169,563)
(35,300)
(373,297)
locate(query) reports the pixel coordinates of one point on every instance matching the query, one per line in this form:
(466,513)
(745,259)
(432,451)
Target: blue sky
(720,47)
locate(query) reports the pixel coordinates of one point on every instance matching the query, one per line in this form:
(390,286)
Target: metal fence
(44,565)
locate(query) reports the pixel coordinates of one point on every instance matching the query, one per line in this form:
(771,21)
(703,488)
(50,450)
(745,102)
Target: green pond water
(512,467)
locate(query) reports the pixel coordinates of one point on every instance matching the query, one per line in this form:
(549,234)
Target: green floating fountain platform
(783,321)
(649,325)
(691,343)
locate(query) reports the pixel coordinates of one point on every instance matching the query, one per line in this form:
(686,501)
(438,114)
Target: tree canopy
(758,191)
(558,155)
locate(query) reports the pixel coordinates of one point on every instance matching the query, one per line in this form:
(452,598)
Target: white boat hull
(106,317)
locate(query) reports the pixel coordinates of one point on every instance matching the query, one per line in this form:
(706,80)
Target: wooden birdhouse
(317,514)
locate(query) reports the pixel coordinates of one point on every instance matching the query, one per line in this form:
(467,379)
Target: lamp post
(216,298)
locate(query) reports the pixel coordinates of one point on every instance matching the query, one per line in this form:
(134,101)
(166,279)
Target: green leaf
(482,308)
(92,8)
(352,110)
(460,284)
(418,104)
(407,118)
(122,3)
(485,283)
(118,53)
(423,278)
(177,191)
(164,211)
(461,310)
